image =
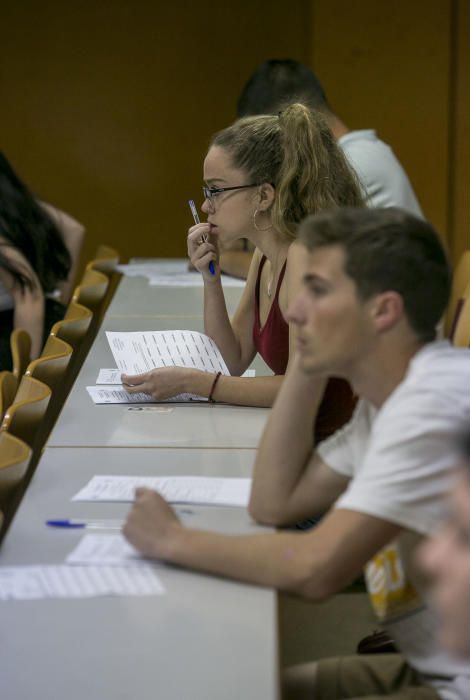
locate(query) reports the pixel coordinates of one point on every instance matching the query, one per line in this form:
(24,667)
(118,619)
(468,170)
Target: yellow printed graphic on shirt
(390,592)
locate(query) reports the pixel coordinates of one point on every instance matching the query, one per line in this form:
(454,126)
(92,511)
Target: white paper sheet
(109,376)
(117,394)
(35,582)
(113,376)
(136,352)
(105,550)
(175,489)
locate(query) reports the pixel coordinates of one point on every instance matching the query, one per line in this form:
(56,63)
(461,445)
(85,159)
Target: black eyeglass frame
(210,192)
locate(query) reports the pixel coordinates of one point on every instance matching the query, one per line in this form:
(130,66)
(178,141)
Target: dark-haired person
(375,284)
(262,176)
(39,251)
(278,82)
(446,559)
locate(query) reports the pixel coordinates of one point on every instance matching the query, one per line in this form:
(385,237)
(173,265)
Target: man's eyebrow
(213,180)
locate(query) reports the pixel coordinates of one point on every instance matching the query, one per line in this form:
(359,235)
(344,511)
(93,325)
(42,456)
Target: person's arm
(165,382)
(73,234)
(29,303)
(315,564)
(289,483)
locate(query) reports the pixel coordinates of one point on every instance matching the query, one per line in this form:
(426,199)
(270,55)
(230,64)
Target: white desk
(204,638)
(136,297)
(83,423)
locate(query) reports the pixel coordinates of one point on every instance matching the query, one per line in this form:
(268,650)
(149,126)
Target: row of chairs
(33,393)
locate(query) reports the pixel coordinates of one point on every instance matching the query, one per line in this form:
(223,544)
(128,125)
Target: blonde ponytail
(297,153)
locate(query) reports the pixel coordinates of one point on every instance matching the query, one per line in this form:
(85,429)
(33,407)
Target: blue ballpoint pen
(197,220)
(81,524)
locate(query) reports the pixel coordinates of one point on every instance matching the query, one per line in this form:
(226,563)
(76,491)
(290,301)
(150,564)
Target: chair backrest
(105,260)
(15,456)
(51,366)
(461,334)
(8,387)
(74,326)
(23,418)
(91,291)
(20,343)
(459,289)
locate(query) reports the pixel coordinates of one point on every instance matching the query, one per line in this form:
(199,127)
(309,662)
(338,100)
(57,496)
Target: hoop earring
(256,225)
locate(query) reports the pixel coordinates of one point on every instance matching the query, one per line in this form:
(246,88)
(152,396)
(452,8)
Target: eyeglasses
(210,193)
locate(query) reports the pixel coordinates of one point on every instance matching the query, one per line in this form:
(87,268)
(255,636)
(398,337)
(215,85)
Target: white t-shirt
(382,176)
(400,460)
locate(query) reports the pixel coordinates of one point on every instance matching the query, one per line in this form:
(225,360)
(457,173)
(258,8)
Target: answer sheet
(118,394)
(203,490)
(62,581)
(136,352)
(105,550)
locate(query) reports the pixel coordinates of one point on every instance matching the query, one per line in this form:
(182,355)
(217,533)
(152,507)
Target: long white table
(205,637)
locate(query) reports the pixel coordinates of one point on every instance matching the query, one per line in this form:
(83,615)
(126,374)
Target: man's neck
(377,377)
(338,128)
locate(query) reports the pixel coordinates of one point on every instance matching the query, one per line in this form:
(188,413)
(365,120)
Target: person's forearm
(241,391)
(29,315)
(273,560)
(218,327)
(286,444)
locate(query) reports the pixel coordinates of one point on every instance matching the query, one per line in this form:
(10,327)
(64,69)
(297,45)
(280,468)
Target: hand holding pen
(199,246)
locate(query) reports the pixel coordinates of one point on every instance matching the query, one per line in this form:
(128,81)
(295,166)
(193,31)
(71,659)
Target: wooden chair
(74,329)
(20,343)
(51,366)
(459,289)
(105,260)
(461,334)
(74,326)
(23,418)
(15,456)
(8,387)
(92,290)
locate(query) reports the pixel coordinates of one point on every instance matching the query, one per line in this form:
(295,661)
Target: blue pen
(81,524)
(197,220)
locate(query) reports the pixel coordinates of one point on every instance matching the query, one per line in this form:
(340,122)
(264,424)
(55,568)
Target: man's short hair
(277,83)
(389,249)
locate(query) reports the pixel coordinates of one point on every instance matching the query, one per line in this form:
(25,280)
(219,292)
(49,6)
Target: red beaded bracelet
(214,384)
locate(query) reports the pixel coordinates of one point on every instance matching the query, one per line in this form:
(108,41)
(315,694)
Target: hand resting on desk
(150,524)
(166,382)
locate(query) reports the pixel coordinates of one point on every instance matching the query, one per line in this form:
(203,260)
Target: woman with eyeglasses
(262,176)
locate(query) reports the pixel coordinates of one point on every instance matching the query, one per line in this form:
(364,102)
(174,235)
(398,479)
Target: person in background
(278,82)
(39,252)
(375,283)
(262,176)
(446,559)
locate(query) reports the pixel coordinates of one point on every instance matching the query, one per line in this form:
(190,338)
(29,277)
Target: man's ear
(266,194)
(387,310)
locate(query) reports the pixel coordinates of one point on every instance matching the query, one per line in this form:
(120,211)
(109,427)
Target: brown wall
(107,107)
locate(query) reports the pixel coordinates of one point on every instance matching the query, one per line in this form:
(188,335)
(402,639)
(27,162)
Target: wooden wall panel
(386,66)
(107,107)
(461,126)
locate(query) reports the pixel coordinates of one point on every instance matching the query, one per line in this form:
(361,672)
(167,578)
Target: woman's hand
(162,383)
(202,252)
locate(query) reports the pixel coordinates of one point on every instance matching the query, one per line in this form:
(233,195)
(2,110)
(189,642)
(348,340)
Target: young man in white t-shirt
(375,285)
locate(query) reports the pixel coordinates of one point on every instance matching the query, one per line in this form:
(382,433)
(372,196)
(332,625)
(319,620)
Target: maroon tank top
(272,343)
